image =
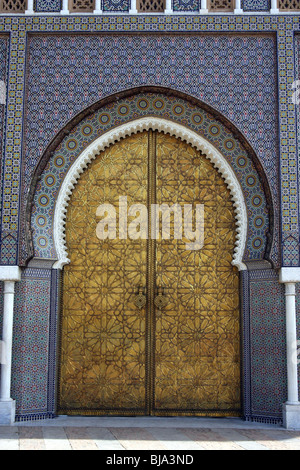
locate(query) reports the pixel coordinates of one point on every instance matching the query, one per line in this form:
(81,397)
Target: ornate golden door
(149,327)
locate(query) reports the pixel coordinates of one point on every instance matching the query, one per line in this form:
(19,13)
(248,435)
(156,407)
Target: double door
(148,326)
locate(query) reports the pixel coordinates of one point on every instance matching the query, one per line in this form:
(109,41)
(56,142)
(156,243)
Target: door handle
(141,299)
(160,300)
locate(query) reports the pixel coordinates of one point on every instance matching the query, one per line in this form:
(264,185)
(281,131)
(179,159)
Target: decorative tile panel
(3,78)
(256,5)
(4,41)
(47,6)
(116,5)
(288,143)
(225,72)
(31,341)
(268,348)
(13,147)
(186,5)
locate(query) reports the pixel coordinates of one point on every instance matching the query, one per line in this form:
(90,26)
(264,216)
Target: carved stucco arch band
(128,129)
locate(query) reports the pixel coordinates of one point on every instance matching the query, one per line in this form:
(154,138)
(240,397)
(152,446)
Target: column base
(7,412)
(291,416)
(238,11)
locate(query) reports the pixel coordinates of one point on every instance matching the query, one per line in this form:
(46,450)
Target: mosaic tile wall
(268,346)
(235,75)
(3,77)
(31,342)
(3,66)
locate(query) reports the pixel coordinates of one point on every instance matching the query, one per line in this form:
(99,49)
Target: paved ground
(152,434)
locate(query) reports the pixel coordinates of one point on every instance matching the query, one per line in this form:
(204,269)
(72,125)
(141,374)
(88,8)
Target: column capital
(10,273)
(9,287)
(290,288)
(289,275)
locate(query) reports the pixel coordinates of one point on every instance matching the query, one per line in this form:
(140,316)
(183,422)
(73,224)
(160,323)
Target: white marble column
(9,275)
(291,409)
(65,7)
(98,9)
(30,10)
(168,10)
(274,8)
(238,8)
(133,9)
(203,7)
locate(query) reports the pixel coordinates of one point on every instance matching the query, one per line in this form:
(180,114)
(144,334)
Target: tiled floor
(153,434)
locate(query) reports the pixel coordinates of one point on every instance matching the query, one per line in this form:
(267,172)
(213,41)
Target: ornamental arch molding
(133,127)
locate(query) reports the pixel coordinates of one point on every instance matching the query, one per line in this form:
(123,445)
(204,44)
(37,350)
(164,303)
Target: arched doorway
(179,353)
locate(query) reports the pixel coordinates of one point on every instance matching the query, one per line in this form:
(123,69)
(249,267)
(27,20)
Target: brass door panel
(103,333)
(197,358)
(119,356)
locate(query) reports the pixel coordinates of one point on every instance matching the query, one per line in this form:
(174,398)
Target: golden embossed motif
(119,353)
